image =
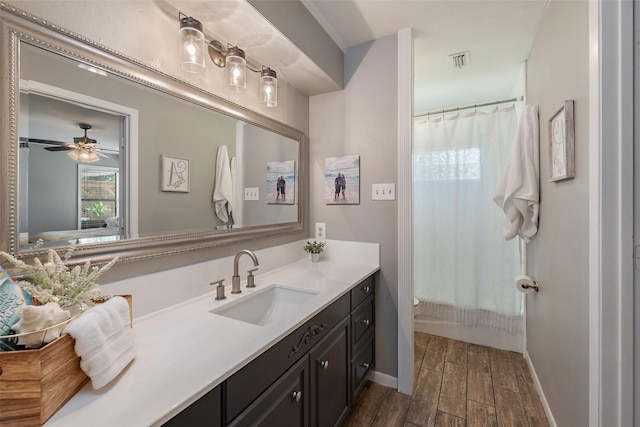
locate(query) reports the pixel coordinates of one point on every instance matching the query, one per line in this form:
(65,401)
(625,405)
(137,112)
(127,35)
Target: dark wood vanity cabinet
(310,378)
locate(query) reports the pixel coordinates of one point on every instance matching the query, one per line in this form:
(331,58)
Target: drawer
(362,320)
(247,384)
(362,291)
(361,364)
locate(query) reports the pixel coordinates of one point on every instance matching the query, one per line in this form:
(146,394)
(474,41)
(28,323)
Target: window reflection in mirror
(134,125)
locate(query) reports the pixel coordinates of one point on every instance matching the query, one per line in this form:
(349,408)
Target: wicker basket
(34,384)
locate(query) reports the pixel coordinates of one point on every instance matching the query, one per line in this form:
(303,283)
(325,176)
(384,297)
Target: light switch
(383,192)
(252,193)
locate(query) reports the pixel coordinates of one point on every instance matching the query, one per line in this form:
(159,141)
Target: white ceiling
(498,33)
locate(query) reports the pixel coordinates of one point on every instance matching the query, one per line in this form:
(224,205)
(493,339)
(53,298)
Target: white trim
(405,194)
(543,398)
(594,218)
(383,379)
(611,214)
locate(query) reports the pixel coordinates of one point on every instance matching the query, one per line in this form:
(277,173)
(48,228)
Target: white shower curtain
(463,267)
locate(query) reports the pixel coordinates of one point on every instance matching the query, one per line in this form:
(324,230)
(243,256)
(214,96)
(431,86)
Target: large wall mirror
(104,153)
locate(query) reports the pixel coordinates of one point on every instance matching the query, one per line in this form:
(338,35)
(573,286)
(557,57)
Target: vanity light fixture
(268,87)
(237,69)
(191,44)
(92,69)
(232,57)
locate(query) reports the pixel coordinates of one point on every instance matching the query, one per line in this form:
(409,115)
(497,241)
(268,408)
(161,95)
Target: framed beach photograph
(342,180)
(281,183)
(561,144)
(175,174)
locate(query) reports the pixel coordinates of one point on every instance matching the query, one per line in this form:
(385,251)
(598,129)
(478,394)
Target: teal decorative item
(12,297)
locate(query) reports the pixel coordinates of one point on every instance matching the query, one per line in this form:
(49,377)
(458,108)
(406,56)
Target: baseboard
(543,398)
(383,379)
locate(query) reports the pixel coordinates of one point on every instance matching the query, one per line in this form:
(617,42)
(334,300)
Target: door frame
(611,335)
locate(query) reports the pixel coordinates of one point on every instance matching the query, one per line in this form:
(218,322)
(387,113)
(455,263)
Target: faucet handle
(250,278)
(219,289)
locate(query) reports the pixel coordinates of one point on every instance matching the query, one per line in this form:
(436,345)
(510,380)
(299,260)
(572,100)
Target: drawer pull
(366,288)
(296,395)
(365,365)
(366,321)
(324,364)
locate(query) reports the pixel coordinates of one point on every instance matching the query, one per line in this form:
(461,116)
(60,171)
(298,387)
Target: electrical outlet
(321,231)
(383,192)
(252,193)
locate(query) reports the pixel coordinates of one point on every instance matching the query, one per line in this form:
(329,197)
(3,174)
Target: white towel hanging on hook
(518,193)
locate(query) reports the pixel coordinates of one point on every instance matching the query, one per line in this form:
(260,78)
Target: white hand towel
(222,187)
(105,365)
(103,340)
(518,191)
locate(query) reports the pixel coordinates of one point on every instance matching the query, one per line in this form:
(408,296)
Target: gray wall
(557,316)
(362,120)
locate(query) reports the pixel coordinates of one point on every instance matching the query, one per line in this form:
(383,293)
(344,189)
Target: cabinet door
(206,411)
(330,378)
(284,404)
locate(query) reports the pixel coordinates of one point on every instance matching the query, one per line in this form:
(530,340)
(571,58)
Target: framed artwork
(561,144)
(175,174)
(281,182)
(342,180)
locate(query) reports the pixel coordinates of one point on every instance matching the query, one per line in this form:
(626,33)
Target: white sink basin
(266,305)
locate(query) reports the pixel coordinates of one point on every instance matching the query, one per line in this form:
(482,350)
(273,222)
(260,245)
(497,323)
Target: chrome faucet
(235,280)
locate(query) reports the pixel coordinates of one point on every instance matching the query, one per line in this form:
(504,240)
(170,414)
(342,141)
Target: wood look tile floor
(457,384)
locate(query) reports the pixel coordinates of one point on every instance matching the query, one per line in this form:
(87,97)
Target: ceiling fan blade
(101,154)
(65,148)
(43,141)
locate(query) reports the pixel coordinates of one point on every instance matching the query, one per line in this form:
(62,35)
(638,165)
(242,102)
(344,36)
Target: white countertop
(183,351)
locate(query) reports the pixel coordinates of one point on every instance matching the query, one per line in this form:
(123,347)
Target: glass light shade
(237,70)
(268,88)
(192,48)
(84,156)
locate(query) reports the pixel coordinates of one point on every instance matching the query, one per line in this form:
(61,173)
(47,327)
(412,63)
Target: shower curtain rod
(486,104)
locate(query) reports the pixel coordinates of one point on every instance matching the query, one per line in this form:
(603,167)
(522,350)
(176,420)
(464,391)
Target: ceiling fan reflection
(83,148)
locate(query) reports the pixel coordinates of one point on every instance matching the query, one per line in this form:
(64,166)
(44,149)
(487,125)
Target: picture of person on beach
(283,187)
(278,188)
(336,171)
(282,176)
